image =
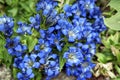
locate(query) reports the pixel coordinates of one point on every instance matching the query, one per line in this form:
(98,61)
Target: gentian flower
(27,75)
(35,21)
(55,40)
(6,25)
(24,28)
(43,46)
(14,47)
(29,62)
(46,5)
(86,6)
(52,66)
(71,31)
(73,56)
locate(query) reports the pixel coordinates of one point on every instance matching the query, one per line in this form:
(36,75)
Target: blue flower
(29,62)
(6,25)
(86,66)
(71,31)
(35,21)
(93,37)
(99,25)
(17,62)
(67,10)
(73,56)
(55,39)
(86,6)
(81,71)
(24,28)
(46,5)
(26,75)
(43,46)
(51,18)
(14,47)
(52,68)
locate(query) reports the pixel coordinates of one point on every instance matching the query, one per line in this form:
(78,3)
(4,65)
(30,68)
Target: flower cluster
(71,34)
(6,25)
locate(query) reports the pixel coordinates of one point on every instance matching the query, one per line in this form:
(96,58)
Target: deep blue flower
(73,56)
(43,46)
(14,46)
(44,33)
(26,75)
(52,18)
(17,62)
(62,23)
(86,6)
(93,37)
(71,31)
(55,39)
(99,25)
(86,66)
(35,21)
(52,68)
(24,28)
(6,25)
(46,5)
(67,10)
(81,71)
(29,62)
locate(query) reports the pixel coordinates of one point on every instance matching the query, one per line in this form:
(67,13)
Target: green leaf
(2,1)
(32,5)
(25,6)
(115,4)
(9,2)
(13,11)
(116,38)
(116,52)
(62,62)
(4,56)
(117,69)
(31,43)
(113,22)
(38,76)
(102,58)
(14,73)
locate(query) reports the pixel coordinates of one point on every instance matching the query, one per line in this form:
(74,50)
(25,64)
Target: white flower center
(72,56)
(71,33)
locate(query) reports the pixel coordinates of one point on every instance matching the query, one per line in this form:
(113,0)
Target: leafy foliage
(4,56)
(110,54)
(114,21)
(19,9)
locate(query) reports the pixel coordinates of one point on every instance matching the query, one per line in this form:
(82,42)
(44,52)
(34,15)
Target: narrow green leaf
(62,62)
(117,69)
(14,73)
(101,57)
